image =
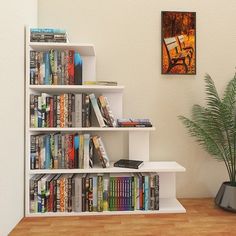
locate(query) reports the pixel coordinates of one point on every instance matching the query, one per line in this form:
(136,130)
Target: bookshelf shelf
(90,129)
(167,205)
(138,137)
(83,49)
(76,88)
(147,167)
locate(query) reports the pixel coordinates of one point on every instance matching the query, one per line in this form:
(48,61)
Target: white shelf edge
(85,49)
(76,129)
(152,166)
(45,44)
(76,88)
(167,205)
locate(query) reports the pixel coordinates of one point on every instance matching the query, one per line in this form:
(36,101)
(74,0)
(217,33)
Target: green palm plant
(214,126)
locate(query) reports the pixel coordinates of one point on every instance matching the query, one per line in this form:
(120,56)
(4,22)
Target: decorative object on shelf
(125,163)
(214,127)
(178,42)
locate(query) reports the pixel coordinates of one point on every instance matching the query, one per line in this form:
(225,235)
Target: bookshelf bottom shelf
(167,205)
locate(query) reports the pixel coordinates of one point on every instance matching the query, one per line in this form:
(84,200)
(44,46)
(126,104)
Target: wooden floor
(202,218)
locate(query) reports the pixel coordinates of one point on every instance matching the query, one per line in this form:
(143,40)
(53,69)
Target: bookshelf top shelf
(159,166)
(83,49)
(77,88)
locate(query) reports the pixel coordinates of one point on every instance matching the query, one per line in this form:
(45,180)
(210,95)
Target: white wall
(13,16)
(126,34)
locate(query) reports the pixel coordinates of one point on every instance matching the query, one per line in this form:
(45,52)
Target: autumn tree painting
(178,42)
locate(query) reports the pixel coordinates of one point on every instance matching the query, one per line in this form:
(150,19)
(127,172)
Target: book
(77,69)
(47,30)
(100,82)
(48,35)
(97,110)
(106,111)
(124,163)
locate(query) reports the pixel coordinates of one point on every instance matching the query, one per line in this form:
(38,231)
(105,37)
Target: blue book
(47,152)
(146,193)
(47,31)
(46,61)
(78,69)
(76,148)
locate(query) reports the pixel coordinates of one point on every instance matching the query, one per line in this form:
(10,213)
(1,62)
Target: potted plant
(214,128)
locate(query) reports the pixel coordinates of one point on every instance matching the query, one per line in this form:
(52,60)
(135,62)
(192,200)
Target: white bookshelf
(138,138)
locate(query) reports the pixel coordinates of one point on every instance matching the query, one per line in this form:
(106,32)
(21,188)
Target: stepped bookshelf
(138,137)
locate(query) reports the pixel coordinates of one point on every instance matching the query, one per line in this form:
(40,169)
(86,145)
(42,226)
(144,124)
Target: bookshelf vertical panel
(139,145)
(167,185)
(89,68)
(27,120)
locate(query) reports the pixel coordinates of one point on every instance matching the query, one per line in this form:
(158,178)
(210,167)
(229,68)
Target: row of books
(48,35)
(67,151)
(93,193)
(55,67)
(69,110)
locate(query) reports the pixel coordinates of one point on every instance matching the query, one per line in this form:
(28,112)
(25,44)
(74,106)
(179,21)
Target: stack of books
(101,82)
(125,163)
(134,123)
(48,35)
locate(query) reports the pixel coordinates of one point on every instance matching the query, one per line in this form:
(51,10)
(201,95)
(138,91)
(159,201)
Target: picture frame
(178,43)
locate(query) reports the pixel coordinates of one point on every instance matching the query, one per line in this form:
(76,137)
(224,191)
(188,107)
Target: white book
(78,110)
(97,110)
(103,152)
(77,193)
(86,150)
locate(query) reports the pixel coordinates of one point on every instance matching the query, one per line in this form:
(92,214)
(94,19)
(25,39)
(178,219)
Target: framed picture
(178,40)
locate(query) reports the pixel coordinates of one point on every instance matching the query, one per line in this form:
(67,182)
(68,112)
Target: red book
(71,70)
(71,151)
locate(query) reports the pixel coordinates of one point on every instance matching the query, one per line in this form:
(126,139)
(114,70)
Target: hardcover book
(97,110)
(124,163)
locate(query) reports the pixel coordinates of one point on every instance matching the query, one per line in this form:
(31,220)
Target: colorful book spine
(105,194)
(86,150)
(46,60)
(95,193)
(77,69)
(71,72)
(100,193)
